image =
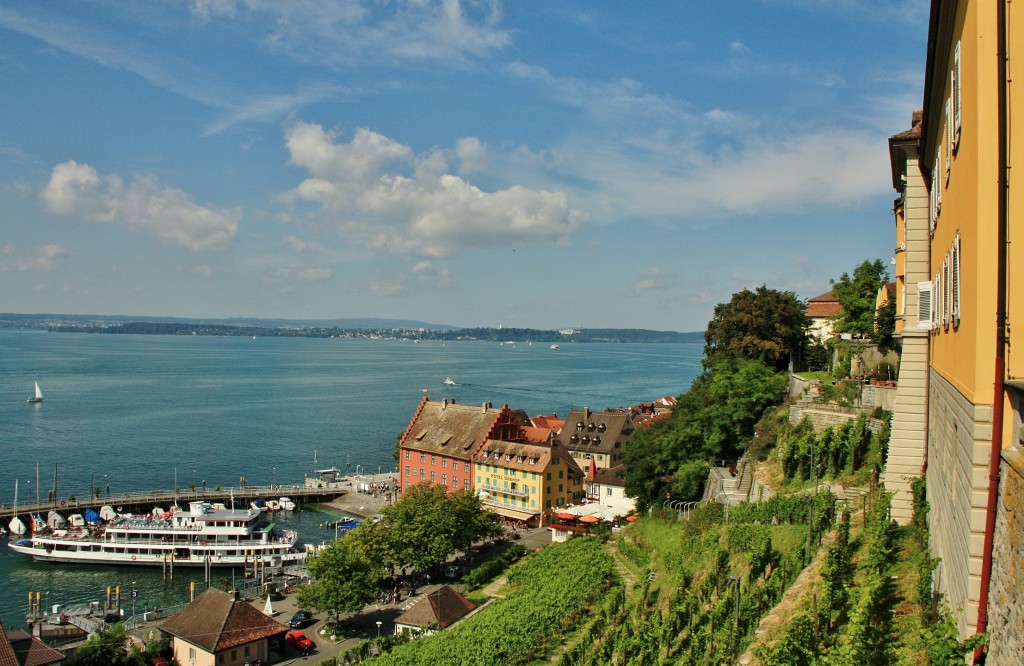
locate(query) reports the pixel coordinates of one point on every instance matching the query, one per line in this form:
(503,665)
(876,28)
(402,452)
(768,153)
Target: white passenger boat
(201,536)
(286,503)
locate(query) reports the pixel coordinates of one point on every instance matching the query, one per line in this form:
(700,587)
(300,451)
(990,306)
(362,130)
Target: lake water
(143,412)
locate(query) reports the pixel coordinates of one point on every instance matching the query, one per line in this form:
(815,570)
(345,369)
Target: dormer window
(579,426)
(601,427)
(591,426)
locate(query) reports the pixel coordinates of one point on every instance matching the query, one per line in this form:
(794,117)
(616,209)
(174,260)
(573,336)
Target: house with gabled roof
(439,609)
(523,482)
(217,630)
(439,443)
(606,487)
(600,436)
(18,648)
(821,310)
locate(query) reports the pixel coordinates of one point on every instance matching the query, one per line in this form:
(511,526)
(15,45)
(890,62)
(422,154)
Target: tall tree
(857,295)
(343,580)
(764,324)
(712,421)
(427,524)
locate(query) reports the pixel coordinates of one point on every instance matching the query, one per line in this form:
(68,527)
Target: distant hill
(325,328)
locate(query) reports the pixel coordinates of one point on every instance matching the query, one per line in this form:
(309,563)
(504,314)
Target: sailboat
(38,397)
(16,526)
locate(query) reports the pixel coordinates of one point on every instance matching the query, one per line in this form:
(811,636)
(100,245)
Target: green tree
(765,324)
(107,648)
(857,295)
(712,421)
(885,325)
(343,580)
(427,524)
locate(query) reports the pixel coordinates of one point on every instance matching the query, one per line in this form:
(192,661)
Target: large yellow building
(527,482)
(972,309)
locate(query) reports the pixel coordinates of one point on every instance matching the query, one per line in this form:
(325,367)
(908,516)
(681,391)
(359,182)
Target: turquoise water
(141,412)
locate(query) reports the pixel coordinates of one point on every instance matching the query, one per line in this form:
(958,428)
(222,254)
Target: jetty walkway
(142,501)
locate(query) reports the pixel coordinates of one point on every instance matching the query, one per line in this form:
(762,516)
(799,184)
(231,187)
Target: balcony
(494,490)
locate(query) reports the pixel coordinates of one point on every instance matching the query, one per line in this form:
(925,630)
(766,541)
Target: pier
(143,501)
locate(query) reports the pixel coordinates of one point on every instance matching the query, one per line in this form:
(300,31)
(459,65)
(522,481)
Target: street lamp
(134,595)
(273,477)
(378,629)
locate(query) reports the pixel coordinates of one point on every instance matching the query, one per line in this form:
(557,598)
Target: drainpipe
(1000,360)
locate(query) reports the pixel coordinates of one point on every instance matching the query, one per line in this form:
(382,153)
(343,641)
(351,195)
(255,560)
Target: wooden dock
(144,501)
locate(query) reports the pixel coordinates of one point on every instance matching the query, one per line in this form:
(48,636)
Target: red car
(299,641)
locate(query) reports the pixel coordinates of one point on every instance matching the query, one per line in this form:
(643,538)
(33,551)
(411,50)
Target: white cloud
(78,190)
(314,274)
(736,46)
(473,155)
(40,259)
(644,285)
(344,31)
(387,199)
(432,276)
(295,243)
(386,289)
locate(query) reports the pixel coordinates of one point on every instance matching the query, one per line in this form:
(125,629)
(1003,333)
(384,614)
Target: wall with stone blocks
(1006,590)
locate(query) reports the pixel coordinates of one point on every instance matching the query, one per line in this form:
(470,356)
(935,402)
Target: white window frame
(945,292)
(949,137)
(956,84)
(924,306)
(955,274)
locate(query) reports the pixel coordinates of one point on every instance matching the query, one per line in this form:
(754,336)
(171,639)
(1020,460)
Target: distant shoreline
(399,331)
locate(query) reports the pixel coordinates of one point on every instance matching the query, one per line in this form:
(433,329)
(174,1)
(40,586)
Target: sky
(475,163)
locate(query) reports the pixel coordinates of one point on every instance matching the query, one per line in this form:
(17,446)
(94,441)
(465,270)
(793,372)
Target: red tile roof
(216,622)
(21,649)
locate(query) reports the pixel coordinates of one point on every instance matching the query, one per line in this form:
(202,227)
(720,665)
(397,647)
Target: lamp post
(378,629)
(273,477)
(134,595)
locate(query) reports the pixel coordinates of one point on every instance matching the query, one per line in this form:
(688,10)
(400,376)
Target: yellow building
(526,482)
(974,468)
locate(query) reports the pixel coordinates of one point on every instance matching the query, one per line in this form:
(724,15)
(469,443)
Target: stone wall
(1006,590)
(959,441)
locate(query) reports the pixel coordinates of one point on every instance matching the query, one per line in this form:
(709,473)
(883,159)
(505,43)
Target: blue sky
(538,164)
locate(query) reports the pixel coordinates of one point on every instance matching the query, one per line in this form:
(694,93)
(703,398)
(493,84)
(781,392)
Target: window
(609,493)
(465,483)
(948,153)
(407,470)
(455,482)
(192,654)
(423,457)
(422,475)
(408,454)
(955,280)
(433,460)
(444,479)
(433,477)
(924,306)
(945,292)
(444,463)
(561,474)
(955,87)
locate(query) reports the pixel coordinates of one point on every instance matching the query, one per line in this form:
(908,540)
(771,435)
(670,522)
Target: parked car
(299,641)
(300,619)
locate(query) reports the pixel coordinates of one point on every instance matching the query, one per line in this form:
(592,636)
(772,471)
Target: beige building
(908,439)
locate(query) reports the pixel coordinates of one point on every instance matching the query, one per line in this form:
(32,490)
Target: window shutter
(936,300)
(955,275)
(955,93)
(924,306)
(938,189)
(949,136)
(945,292)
